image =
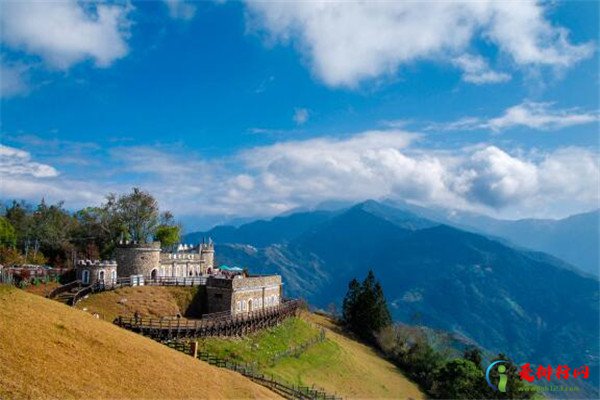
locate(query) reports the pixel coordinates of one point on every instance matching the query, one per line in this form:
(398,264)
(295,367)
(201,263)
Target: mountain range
(530,305)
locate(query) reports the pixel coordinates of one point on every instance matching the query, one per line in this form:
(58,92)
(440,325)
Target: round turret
(137,259)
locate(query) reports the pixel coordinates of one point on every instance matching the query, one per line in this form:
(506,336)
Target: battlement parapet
(97,263)
(135,245)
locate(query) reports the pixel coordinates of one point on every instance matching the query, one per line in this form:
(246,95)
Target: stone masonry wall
(218,294)
(255,293)
(137,259)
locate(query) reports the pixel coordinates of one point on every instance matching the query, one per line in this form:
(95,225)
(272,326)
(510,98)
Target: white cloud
(301,116)
(64,33)
(476,70)
(181,9)
(540,116)
(350,42)
(267,180)
(533,115)
(15,162)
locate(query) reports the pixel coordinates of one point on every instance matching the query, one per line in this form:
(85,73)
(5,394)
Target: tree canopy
(365,309)
(50,233)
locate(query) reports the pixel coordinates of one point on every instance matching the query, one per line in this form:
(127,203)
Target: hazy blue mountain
(531,305)
(575,239)
(263,232)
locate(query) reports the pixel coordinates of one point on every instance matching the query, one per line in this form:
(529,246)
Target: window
(238,306)
(85,276)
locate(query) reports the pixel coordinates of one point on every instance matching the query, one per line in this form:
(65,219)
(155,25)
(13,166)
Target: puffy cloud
(267,180)
(18,162)
(494,178)
(300,116)
(64,33)
(349,42)
(540,116)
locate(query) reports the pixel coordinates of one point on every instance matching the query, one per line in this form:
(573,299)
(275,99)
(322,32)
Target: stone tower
(137,258)
(207,254)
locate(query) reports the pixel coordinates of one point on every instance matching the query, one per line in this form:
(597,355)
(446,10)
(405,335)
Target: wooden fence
(63,289)
(237,325)
(249,370)
(298,350)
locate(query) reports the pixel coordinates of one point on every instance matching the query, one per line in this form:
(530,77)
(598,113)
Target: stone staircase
(66,293)
(67,297)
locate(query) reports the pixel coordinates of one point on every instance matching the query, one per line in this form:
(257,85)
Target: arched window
(153,274)
(85,276)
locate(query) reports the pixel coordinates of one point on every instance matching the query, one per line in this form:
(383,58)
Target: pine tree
(365,308)
(350,302)
(382,312)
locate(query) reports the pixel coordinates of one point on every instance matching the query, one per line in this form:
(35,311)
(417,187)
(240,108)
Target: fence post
(194,349)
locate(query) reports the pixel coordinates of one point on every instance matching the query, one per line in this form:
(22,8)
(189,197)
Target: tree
(474,355)
(459,379)
(365,309)
(167,235)
(8,236)
(138,213)
(350,302)
(10,256)
(50,233)
(19,216)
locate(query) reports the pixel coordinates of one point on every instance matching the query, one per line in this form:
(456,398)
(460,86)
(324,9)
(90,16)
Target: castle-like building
(233,293)
(149,261)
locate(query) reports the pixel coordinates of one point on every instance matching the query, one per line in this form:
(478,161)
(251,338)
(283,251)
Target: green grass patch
(324,356)
(260,347)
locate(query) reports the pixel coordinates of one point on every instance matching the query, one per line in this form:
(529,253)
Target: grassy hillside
(338,364)
(148,301)
(49,350)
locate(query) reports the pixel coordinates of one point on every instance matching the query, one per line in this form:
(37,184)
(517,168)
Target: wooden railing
(296,351)
(176,281)
(63,289)
(125,282)
(285,389)
(237,325)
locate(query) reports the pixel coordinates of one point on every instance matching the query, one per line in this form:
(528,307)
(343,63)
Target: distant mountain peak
(402,218)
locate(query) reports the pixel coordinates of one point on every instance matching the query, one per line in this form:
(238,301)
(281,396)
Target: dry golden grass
(42,289)
(148,301)
(347,367)
(49,350)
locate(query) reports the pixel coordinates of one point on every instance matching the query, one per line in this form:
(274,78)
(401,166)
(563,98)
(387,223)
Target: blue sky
(232,109)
